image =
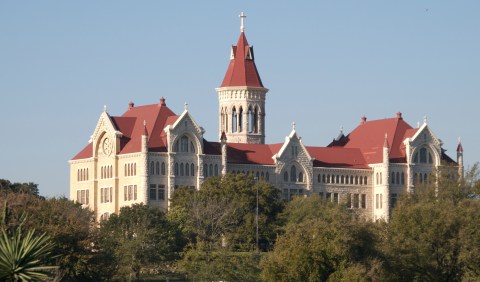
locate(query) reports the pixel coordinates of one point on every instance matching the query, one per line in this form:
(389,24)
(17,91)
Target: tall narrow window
(293,173)
(216,170)
(234,120)
(250,120)
(187,170)
(255,120)
(285,176)
(163,168)
(157,168)
(300,177)
(181,169)
(184,144)
(423,155)
(210,170)
(403,178)
(192,170)
(240,120)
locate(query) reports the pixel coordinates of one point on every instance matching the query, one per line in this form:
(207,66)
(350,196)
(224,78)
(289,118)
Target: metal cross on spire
(242,20)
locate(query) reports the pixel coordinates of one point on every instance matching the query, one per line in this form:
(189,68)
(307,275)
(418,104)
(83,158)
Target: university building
(143,155)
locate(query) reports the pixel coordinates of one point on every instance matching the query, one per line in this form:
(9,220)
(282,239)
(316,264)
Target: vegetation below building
(210,235)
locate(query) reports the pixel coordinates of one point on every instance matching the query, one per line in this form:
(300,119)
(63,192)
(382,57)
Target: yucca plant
(23,257)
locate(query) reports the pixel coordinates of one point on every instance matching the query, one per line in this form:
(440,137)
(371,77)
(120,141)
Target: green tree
(139,237)
(69,226)
(225,209)
(26,188)
(322,241)
(433,234)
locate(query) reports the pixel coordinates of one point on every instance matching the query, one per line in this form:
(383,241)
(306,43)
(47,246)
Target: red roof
(337,157)
(131,125)
(369,137)
(242,70)
(252,153)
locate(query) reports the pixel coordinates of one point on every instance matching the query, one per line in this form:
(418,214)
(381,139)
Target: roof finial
(105,108)
(185,106)
(425,119)
(242,19)
(341,129)
(293,125)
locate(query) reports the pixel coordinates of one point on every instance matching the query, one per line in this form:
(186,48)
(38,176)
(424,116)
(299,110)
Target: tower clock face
(107,146)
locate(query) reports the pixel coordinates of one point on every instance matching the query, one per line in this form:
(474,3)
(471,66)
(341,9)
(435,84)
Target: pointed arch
(240,119)
(234,120)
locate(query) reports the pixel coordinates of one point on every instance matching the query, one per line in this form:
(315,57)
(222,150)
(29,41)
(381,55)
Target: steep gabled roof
(369,138)
(242,70)
(131,125)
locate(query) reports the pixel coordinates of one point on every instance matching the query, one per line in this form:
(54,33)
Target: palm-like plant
(23,257)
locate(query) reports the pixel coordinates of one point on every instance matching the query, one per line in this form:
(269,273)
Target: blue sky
(326,64)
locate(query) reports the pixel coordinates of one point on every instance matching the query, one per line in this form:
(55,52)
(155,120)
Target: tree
(224,209)
(26,188)
(139,237)
(322,241)
(433,234)
(69,226)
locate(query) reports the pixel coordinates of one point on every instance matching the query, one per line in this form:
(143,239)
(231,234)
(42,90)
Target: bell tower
(242,96)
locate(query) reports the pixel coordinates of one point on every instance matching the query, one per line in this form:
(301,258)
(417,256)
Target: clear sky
(326,64)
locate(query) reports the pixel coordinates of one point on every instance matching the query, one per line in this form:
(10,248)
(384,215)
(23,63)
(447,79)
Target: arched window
(255,120)
(205,170)
(184,144)
(135,169)
(392,178)
(423,155)
(152,167)
(216,170)
(210,170)
(293,173)
(250,120)
(262,175)
(300,177)
(163,168)
(403,178)
(240,120)
(397,178)
(377,181)
(319,178)
(323,178)
(157,168)
(187,170)
(381,178)
(351,179)
(234,120)
(181,169)
(267,176)
(192,169)
(285,176)
(365,180)
(342,179)
(425,178)
(337,180)
(176,169)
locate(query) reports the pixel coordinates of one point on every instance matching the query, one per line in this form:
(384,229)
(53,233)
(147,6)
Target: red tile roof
(252,153)
(369,137)
(242,70)
(131,125)
(337,157)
